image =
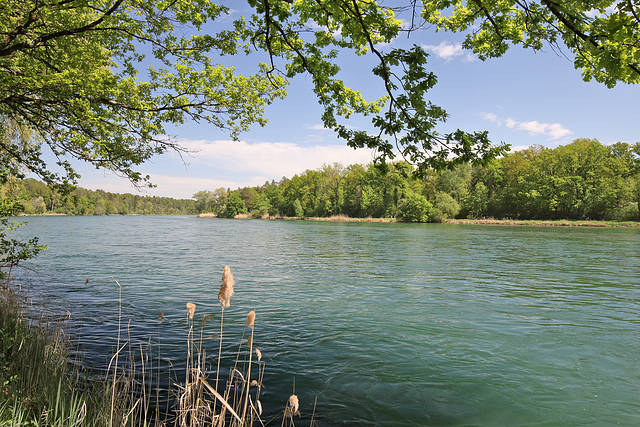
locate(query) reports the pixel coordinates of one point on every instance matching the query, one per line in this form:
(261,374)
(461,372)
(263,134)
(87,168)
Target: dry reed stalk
(250,324)
(187,397)
(226,291)
(115,369)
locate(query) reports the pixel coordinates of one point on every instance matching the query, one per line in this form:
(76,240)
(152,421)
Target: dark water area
(383,324)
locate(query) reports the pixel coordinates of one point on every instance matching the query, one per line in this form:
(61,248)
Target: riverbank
(489,221)
(546,223)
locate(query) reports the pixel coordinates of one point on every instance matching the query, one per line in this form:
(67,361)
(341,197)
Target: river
(381,324)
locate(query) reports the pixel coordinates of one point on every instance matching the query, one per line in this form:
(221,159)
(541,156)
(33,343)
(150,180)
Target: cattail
(254,383)
(226,289)
(160,316)
(191,310)
(251,319)
(294,405)
(249,341)
(259,354)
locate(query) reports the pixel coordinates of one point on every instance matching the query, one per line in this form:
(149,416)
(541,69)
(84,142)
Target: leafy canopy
(100,80)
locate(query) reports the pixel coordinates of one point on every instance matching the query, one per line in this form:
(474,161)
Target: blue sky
(523,98)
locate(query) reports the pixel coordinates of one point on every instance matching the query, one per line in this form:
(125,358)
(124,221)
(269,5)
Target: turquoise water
(385,324)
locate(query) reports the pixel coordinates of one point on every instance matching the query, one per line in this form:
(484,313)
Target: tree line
(579,181)
(36,197)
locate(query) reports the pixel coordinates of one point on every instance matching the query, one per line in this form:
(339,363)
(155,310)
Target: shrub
(415,208)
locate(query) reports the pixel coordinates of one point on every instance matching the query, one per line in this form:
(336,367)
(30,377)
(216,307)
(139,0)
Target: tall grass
(40,387)
(36,385)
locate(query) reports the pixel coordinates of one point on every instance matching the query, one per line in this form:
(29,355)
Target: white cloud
(449,51)
(271,159)
(533,127)
(551,130)
(228,164)
(492,118)
(510,123)
(557,131)
(317,126)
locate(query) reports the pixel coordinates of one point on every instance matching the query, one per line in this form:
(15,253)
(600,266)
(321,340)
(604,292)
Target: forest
(37,198)
(584,180)
(578,181)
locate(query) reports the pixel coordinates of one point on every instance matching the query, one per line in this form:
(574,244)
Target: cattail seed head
(293,406)
(191,310)
(249,341)
(160,316)
(259,354)
(251,319)
(226,288)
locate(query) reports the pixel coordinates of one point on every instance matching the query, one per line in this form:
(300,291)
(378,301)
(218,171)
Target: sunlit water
(383,324)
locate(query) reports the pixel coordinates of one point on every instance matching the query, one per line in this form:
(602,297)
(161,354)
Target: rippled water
(385,324)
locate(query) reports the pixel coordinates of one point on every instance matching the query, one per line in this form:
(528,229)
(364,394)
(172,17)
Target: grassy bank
(39,386)
(549,223)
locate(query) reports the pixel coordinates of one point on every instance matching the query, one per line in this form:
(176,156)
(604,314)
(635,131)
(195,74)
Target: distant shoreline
(504,222)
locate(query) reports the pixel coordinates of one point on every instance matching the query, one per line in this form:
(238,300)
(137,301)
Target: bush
(415,208)
(445,207)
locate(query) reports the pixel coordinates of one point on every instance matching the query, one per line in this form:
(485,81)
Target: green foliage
(602,35)
(234,206)
(297,208)
(38,198)
(36,385)
(73,73)
(581,180)
(13,251)
(445,207)
(415,208)
(101,80)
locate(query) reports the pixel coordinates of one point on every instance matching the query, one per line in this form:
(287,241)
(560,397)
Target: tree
(102,80)
(235,205)
(445,207)
(204,201)
(415,208)
(603,35)
(72,71)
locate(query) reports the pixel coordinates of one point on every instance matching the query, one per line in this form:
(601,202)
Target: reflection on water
(383,323)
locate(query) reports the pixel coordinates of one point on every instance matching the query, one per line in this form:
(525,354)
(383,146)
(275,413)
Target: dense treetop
(581,180)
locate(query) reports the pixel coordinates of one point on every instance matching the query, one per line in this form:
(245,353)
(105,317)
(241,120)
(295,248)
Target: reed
(53,394)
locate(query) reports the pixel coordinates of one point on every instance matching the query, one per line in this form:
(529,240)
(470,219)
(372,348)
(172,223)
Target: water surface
(385,324)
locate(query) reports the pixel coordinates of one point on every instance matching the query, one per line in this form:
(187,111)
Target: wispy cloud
(317,126)
(271,159)
(449,51)
(553,131)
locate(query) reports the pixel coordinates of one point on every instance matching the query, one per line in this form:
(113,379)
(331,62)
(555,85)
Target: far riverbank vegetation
(581,181)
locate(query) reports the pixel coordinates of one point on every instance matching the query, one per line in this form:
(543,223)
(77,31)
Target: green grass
(37,387)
